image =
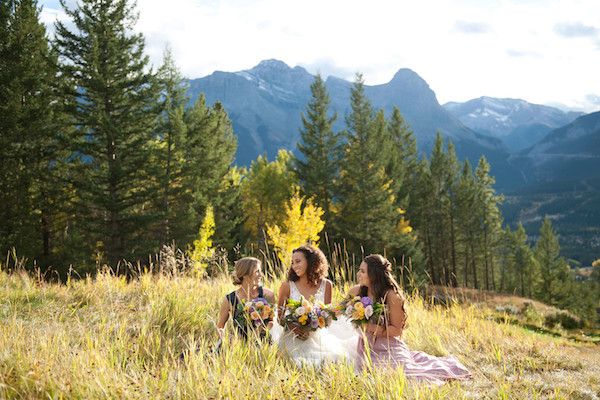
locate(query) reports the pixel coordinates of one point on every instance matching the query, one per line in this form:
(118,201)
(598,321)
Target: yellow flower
(321,322)
(255,315)
(358,313)
(359,306)
(303,319)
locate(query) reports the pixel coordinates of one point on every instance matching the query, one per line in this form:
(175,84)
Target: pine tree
(170,148)
(112,99)
(229,233)
(317,169)
(421,206)
(466,198)
(489,219)
(443,171)
(368,215)
(547,254)
(210,151)
(403,158)
(526,267)
(29,140)
(451,183)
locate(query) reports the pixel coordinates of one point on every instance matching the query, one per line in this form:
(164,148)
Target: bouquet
(307,316)
(362,310)
(258,312)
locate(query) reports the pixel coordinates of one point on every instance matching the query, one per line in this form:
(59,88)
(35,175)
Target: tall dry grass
(109,337)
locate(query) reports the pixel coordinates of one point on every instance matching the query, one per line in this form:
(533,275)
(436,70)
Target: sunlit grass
(110,338)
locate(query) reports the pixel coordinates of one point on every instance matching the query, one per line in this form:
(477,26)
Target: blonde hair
(243,267)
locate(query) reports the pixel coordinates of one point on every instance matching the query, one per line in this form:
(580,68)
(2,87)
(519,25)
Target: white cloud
(517,53)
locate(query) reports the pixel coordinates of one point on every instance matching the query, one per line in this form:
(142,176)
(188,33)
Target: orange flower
(321,322)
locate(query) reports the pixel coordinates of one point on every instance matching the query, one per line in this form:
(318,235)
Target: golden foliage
(203,246)
(299,225)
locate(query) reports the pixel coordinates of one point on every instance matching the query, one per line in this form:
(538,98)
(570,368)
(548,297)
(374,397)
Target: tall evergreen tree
(466,198)
(170,148)
(229,213)
(421,206)
(112,99)
(29,139)
(552,266)
(317,169)
(452,181)
(489,220)
(210,151)
(403,158)
(368,215)
(526,268)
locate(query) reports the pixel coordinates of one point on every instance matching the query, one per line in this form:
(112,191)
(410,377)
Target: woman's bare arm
(223,315)
(284,294)
(395,320)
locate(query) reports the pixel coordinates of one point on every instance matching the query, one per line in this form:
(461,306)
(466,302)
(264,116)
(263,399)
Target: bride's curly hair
(317,265)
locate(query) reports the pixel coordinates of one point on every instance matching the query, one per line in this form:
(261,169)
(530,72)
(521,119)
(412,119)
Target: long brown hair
(317,265)
(379,270)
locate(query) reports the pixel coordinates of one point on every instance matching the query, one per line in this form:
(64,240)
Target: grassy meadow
(107,337)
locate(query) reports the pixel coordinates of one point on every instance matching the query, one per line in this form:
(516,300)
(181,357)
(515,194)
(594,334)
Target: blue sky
(545,52)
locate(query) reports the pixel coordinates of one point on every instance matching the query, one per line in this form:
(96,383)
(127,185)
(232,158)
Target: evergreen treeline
(101,160)
(436,210)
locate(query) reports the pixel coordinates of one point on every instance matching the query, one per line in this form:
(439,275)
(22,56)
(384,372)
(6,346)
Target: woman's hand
(298,331)
(375,330)
(265,327)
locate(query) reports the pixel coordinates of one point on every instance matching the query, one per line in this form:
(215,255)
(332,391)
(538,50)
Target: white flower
(368,311)
(287,312)
(349,310)
(300,310)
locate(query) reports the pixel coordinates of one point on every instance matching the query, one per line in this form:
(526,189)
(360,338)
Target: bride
(306,278)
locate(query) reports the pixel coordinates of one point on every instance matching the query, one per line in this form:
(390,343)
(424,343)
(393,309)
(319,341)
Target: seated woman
(385,348)
(307,279)
(248,276)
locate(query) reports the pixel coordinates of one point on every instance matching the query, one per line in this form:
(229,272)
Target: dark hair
(317,265)
(379,270)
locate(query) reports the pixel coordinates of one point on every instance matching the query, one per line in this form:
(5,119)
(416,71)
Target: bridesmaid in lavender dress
(385,347)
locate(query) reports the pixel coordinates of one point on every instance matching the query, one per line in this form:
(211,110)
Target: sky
(542,51)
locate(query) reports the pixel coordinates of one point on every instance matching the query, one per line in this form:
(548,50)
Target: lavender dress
(386,352)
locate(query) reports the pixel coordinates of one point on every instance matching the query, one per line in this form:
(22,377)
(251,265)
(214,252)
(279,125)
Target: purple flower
(314,323)
(366,301)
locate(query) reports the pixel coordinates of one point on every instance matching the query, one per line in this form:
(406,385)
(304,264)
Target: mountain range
(518,123)
(265,105)
(544,159)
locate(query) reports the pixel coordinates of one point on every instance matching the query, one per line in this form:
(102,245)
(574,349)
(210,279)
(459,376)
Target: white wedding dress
(336,343)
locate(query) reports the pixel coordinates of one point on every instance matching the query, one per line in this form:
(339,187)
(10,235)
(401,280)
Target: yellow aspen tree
(299,226)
